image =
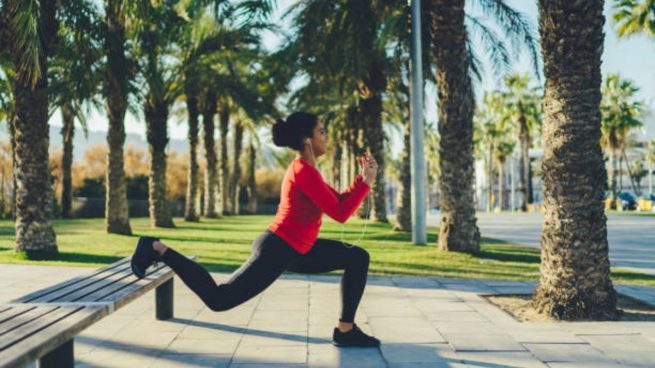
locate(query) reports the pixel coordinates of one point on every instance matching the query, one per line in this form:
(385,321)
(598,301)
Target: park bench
(42,325)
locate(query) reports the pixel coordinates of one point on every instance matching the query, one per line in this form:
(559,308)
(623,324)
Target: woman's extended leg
(329,255)
(270,257)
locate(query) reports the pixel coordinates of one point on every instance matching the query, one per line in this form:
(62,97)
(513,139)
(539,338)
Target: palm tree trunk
(192,194)
(524,170)
(405,209)
(371,90)
(575,270)
(336,161)
(490,179)
(235,177)
(68,133)
(252,183)
(35,234)
(612,178)
(224,124)
(211,184)
(156,113)
(502,206)
(458,231)
(117,218)
(620,173)
(12,133)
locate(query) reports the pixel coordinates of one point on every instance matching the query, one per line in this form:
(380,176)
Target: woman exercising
(291,241)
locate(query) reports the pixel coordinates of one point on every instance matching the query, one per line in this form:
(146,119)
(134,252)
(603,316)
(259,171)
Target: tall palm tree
(118,72)
(74,78)
(340,41)
(158,26)
(211,174)
(454,59)
(575,270)
(192,193)
(634,17)
(31,29)
(620,113)
(459,230)
(524,110)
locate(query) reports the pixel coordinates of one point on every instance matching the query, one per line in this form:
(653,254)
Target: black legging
(271,256)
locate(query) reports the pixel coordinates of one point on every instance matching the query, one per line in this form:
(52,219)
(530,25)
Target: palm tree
(30,33)
(524,111)
(340,41)
(158,26)
(119,70)
(488,128)
(192,194)
(634,17)
(211,174)
(575,270)
(74,80)
(620,114)
(454,60)
(459,230)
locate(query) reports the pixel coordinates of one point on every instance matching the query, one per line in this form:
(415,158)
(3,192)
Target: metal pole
(419,230)
(650,169)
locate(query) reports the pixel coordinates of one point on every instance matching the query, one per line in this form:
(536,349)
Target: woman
(291,241)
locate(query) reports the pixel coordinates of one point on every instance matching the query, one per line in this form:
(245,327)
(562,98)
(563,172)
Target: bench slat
(22,319)
(13,311)
(70,283)
(72,295)
(125,295)
(33,341)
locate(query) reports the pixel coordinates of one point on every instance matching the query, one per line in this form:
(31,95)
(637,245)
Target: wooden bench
(43,324)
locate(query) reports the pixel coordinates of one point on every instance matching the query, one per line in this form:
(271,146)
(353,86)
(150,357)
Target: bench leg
(164,300)
(62,357)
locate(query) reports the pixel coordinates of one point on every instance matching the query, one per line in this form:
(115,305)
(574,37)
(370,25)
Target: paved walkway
(631,238)
(422,322)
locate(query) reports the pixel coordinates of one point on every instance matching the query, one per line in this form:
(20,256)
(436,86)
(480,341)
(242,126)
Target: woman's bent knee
(361,256)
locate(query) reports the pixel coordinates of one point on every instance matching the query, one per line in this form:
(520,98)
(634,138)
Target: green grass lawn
(224,244)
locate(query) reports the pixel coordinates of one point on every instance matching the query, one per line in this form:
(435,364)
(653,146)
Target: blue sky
(632,58)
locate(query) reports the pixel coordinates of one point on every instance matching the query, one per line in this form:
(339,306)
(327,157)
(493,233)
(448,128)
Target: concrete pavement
(422,322)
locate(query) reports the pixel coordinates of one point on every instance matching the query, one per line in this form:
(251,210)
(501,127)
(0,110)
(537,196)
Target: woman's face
(319,139)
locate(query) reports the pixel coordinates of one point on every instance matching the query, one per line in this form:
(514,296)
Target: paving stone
(270,354)
(418,353)
(274,339)
(446,327)
(204,346)
(549,353)
(456,316)
(480,342)
(500,359)
(331,356)
(630,350)
(191,361)
(404,330)
(585,365)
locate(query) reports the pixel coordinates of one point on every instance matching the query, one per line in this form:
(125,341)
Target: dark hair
(290,133)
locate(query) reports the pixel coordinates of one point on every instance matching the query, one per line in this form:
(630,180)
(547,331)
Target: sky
(632,58)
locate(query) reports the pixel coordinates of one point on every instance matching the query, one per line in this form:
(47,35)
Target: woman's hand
(368,168)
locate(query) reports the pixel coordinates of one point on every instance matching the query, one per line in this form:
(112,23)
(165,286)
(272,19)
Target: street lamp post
(419,235)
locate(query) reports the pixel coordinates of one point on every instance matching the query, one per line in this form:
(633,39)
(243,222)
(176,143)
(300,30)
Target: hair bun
(280,133)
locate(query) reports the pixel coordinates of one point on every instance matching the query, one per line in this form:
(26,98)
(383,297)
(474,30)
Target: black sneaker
(144,256)
(354,337)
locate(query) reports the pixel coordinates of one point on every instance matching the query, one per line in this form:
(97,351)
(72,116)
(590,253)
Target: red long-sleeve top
(304,197)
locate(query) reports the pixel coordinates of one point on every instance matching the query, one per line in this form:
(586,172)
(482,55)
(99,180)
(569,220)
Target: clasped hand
(368,168)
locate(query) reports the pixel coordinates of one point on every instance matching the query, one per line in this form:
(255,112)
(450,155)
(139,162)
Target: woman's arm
(343,195)
(313,186)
